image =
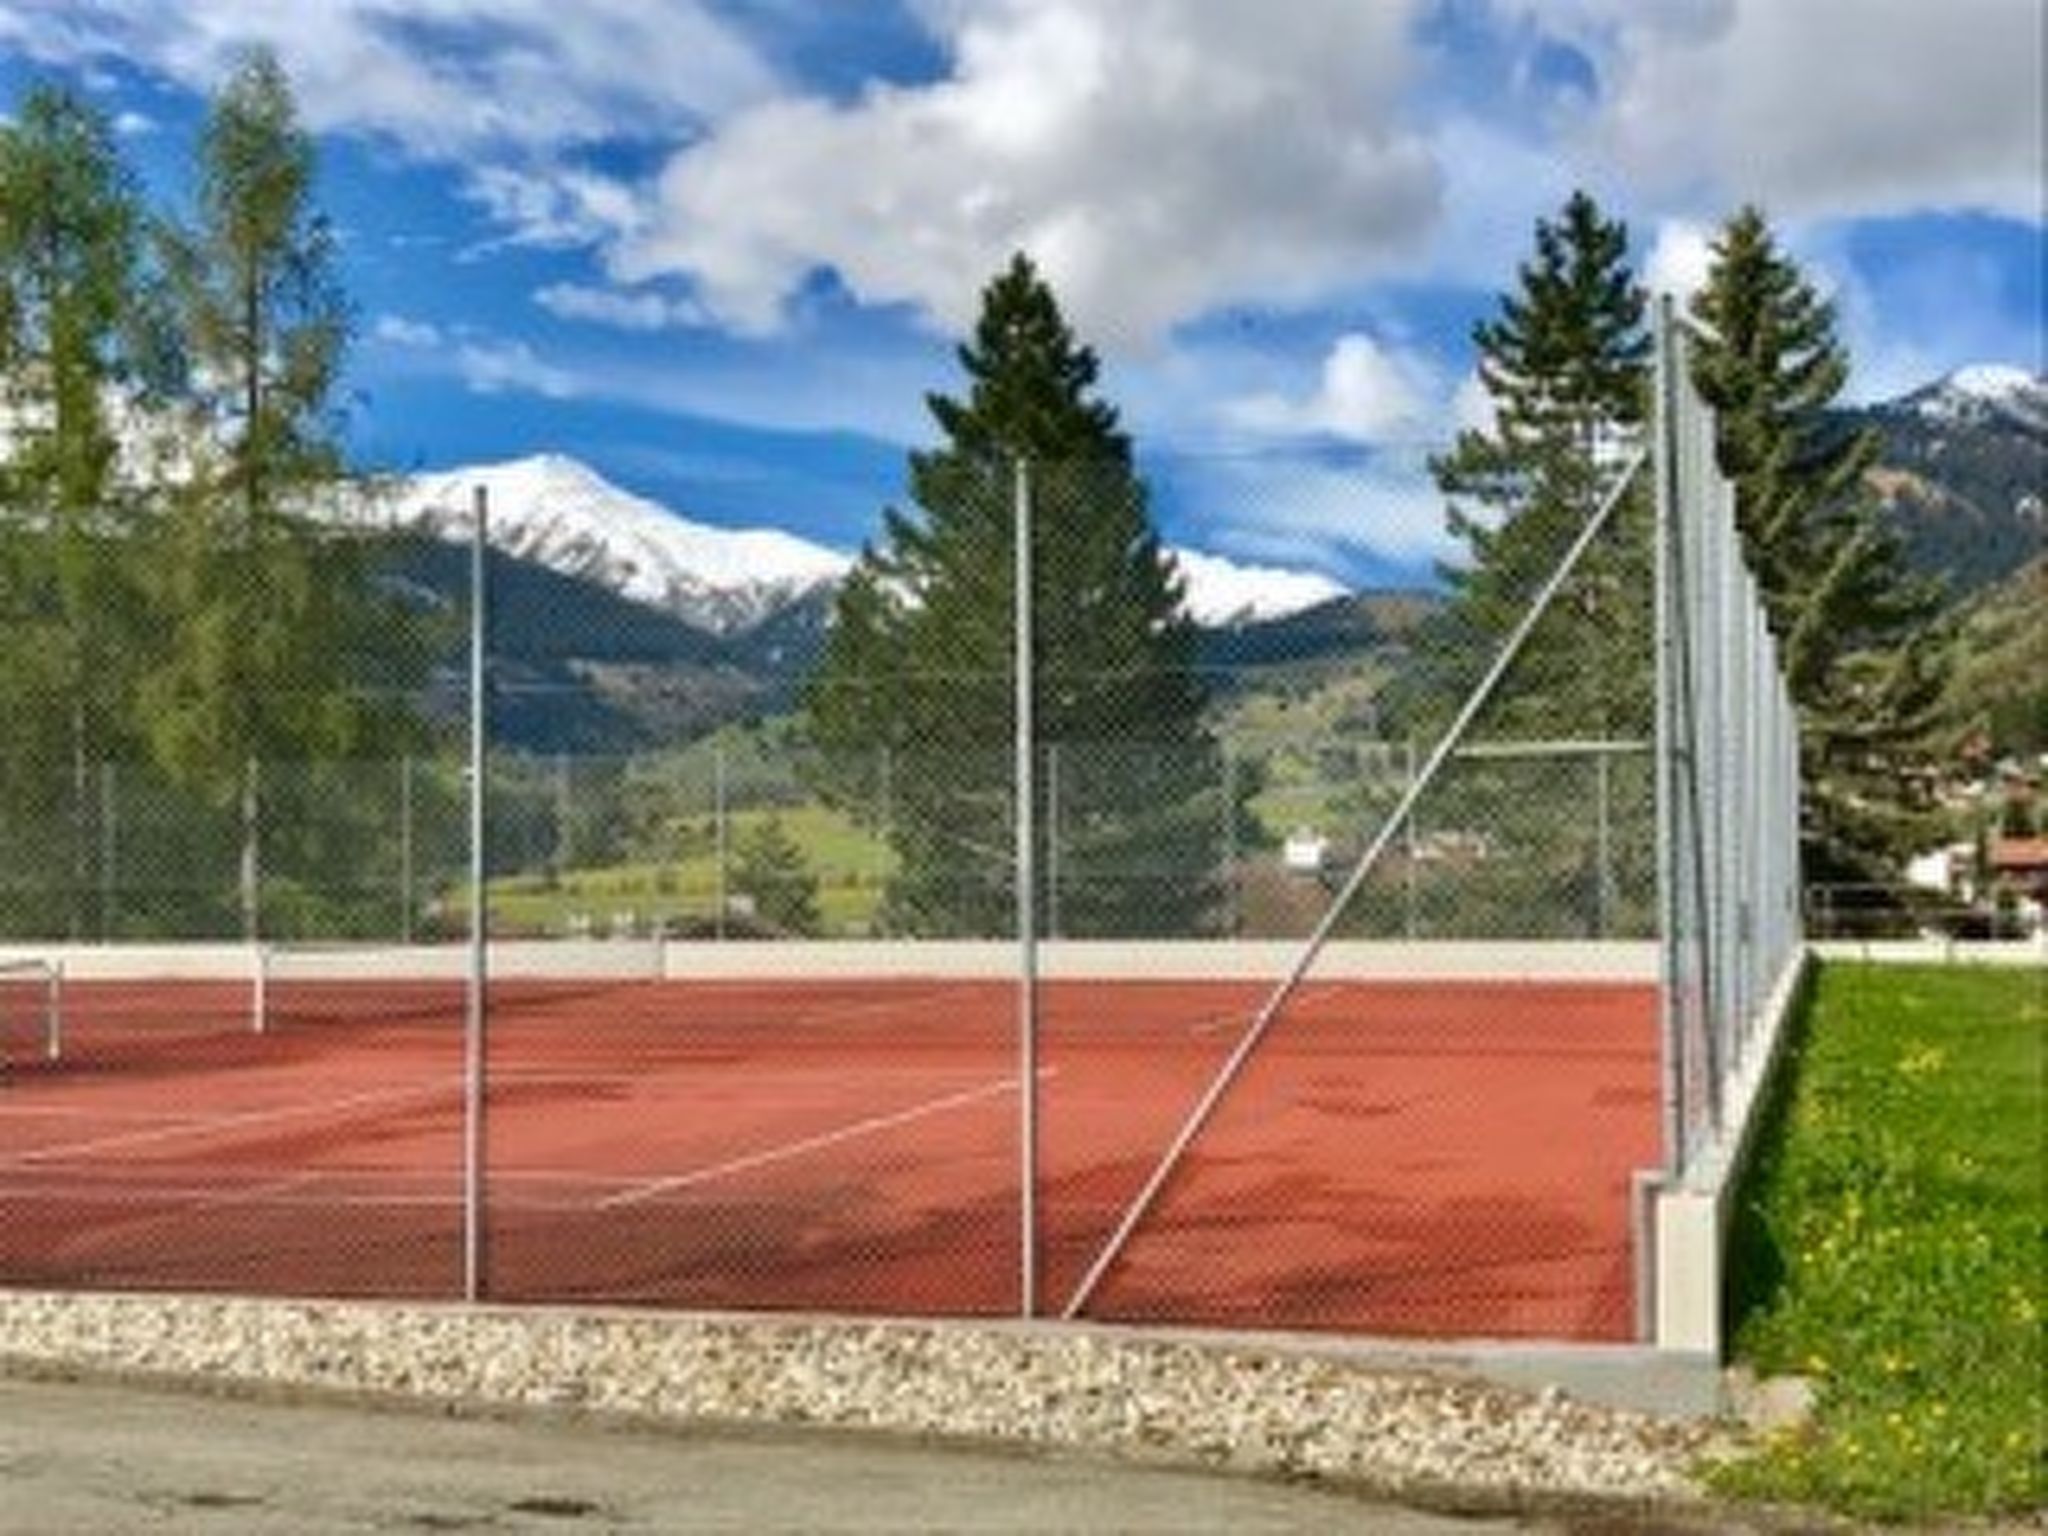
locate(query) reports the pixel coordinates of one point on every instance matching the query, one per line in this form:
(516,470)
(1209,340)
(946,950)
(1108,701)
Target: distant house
(1945,871)
(1305,850)
(2023,862)
(2020,865)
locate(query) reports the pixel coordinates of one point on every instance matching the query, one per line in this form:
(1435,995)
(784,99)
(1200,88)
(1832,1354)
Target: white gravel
(1274,1412)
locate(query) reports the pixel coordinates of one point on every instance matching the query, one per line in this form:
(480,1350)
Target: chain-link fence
(1313,993)
(734,839)
(1729,739)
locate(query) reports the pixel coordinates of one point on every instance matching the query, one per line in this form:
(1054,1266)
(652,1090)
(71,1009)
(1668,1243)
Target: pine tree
(70,290)
(1863,656)
(266,619)
(769,868)
(914,695)
(1564,365)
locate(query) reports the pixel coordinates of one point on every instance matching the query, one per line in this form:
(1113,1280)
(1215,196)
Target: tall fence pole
(479,926)
(1671,872)
(1027,916)
(1231,904)
(405,855)
(110,845)
(720,840)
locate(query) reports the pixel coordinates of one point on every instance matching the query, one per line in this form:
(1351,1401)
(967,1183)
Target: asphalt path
(98,1458)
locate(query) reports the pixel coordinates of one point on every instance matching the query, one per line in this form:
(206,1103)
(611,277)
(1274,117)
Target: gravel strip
(1285,1413)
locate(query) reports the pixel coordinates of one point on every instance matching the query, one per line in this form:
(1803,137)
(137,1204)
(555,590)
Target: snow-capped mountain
(1984,393)
(1961,467)
(560,513)
(1222,592)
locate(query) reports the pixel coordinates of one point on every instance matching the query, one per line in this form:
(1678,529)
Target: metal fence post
(1052,840)
(474,1013)
(1230,870)
(1027,937)
(1411,848)
(1603,847)
(110,852)
(1669,630)
(405,853)
(720,839)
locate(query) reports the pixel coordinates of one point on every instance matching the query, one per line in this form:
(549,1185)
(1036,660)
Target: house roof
(2021,853)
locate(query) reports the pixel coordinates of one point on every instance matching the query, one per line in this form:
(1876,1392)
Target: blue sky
(722,248)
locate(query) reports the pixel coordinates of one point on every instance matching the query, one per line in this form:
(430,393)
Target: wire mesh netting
(1274,981)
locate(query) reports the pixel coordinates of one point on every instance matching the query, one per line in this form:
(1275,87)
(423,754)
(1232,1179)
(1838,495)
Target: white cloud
(398,331)
(636,311)
(442,77)
(1819,107)
(1368,393)
(1472,406)
(1923,317)
(1156,158)
(498,367)
(1302,512)
(1160,157)
(1679,260)
(555,205)
(508,91)
(1496,186)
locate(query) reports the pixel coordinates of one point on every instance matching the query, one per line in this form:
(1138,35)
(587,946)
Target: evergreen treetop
(1564,362)
(253,277)
(70,252)
(1863,657)
(1564,365)
(920,660)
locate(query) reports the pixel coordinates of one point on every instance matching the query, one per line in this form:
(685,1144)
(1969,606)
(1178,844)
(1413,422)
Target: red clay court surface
(1414,1159)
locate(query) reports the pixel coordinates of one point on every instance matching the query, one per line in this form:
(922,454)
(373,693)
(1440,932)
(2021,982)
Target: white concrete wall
(1689,1218)
(1632,963)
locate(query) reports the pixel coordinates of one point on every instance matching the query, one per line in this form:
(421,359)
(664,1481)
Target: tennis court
(1421,1157)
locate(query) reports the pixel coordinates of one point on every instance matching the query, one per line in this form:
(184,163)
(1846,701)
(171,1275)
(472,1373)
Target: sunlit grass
(1891,1247)
(851,864)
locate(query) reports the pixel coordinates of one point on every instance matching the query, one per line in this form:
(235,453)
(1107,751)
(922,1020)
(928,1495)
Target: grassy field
(1891,1247)
(851,866)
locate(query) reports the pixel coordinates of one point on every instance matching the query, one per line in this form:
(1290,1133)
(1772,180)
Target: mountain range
(555,511)
(621,623)
(1960,471)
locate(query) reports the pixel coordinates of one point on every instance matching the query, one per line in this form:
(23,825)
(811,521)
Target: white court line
(209,1125)
(80,1112)
(305,1192)
(846,1012)
(267,1193)
(639,1194)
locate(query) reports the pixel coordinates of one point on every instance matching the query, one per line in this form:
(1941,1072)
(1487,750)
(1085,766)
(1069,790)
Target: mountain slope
(1999,693)
(575,666)
(1963,470)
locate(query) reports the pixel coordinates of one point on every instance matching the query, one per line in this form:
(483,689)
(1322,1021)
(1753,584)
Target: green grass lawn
(1891,1247)
(851,866)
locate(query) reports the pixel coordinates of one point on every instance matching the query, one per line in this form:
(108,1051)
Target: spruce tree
(1563,361)
(912,704)
(268,620)
(769,868)
(70,291)
(1564,366)
(1863,656)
